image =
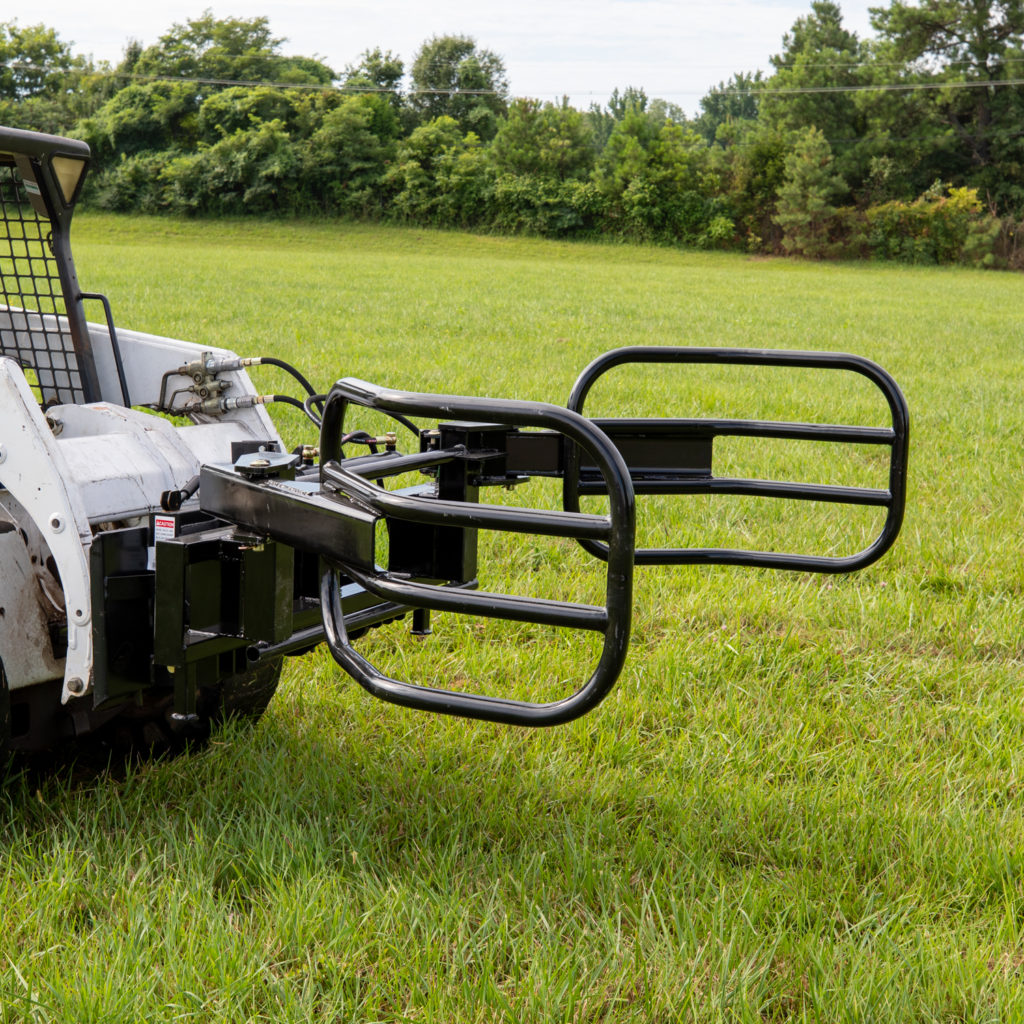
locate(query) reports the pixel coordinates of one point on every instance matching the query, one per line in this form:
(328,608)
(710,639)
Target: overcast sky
(673,49)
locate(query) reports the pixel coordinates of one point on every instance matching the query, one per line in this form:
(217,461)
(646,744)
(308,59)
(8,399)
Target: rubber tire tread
(147,731)
(5,721)
(244,695)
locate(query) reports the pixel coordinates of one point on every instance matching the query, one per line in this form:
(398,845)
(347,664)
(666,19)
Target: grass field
(803,800)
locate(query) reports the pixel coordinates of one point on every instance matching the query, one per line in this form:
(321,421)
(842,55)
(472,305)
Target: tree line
(908,145)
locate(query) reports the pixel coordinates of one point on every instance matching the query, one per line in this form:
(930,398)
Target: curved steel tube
(897,438)
(617,529)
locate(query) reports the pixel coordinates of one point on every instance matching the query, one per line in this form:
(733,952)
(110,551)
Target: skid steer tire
(151,730)
(243,696)
(5,723)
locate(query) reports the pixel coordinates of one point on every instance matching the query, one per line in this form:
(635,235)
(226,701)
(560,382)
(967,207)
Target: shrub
(943,225)
(239,108)
(133,185)
(719,234)
(542,206)
(465,185)
(248,172)
(412,179)
(142,118)
(345,160)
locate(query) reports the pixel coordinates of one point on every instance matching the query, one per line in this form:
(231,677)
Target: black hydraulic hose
(408,424)
(356,437)
(317,398)
(287,400)
(307,407)
(297,374)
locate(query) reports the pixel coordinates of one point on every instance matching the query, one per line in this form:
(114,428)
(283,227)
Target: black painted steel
(695,476)
(44,324)
(308,520)
(614,531)
(115,346)
(548,522)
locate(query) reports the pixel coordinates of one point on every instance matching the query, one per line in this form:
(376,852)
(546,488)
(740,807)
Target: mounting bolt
(57,522)
(76,686)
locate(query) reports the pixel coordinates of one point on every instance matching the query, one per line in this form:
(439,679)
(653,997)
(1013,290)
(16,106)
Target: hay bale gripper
(156,570)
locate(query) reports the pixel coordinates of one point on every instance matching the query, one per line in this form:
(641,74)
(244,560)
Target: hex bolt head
(76,686)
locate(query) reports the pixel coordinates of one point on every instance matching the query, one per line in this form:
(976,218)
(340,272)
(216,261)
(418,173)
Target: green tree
(39,79)
(907,146)
(804,210)
(549,140)
(601,121)
(143,117)
(627,152)
(970,34)
(33,61)
(451,77)
(346,158)
(661,110)
(379,72)
(974,46)
(816,75)
(655,178)
(465,184)
(751,165)
(240,107)
(422,160)
(376,70)
(227,50)
(729,102)
(252,171)
(630,99)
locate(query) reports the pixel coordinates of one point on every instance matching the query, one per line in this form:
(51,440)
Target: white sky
(673,49)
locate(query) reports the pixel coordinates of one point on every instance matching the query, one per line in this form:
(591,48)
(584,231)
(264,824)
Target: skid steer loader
(155,570)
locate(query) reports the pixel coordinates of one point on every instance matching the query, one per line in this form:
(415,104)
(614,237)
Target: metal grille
(34,327)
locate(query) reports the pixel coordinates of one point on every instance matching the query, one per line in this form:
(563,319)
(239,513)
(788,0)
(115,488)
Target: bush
(134,185)
(542,206)
(142,119)
(719,234)
(248,172)
(465,185)
(943,225)
(345,160)
(412,179)
(239,108)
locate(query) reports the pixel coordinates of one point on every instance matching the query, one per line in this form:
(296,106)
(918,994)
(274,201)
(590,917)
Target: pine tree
(804,210)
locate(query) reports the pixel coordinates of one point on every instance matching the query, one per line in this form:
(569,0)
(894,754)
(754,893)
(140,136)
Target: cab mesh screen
(33,322)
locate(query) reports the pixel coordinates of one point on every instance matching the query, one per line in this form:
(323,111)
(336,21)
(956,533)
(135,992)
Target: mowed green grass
(801,802)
